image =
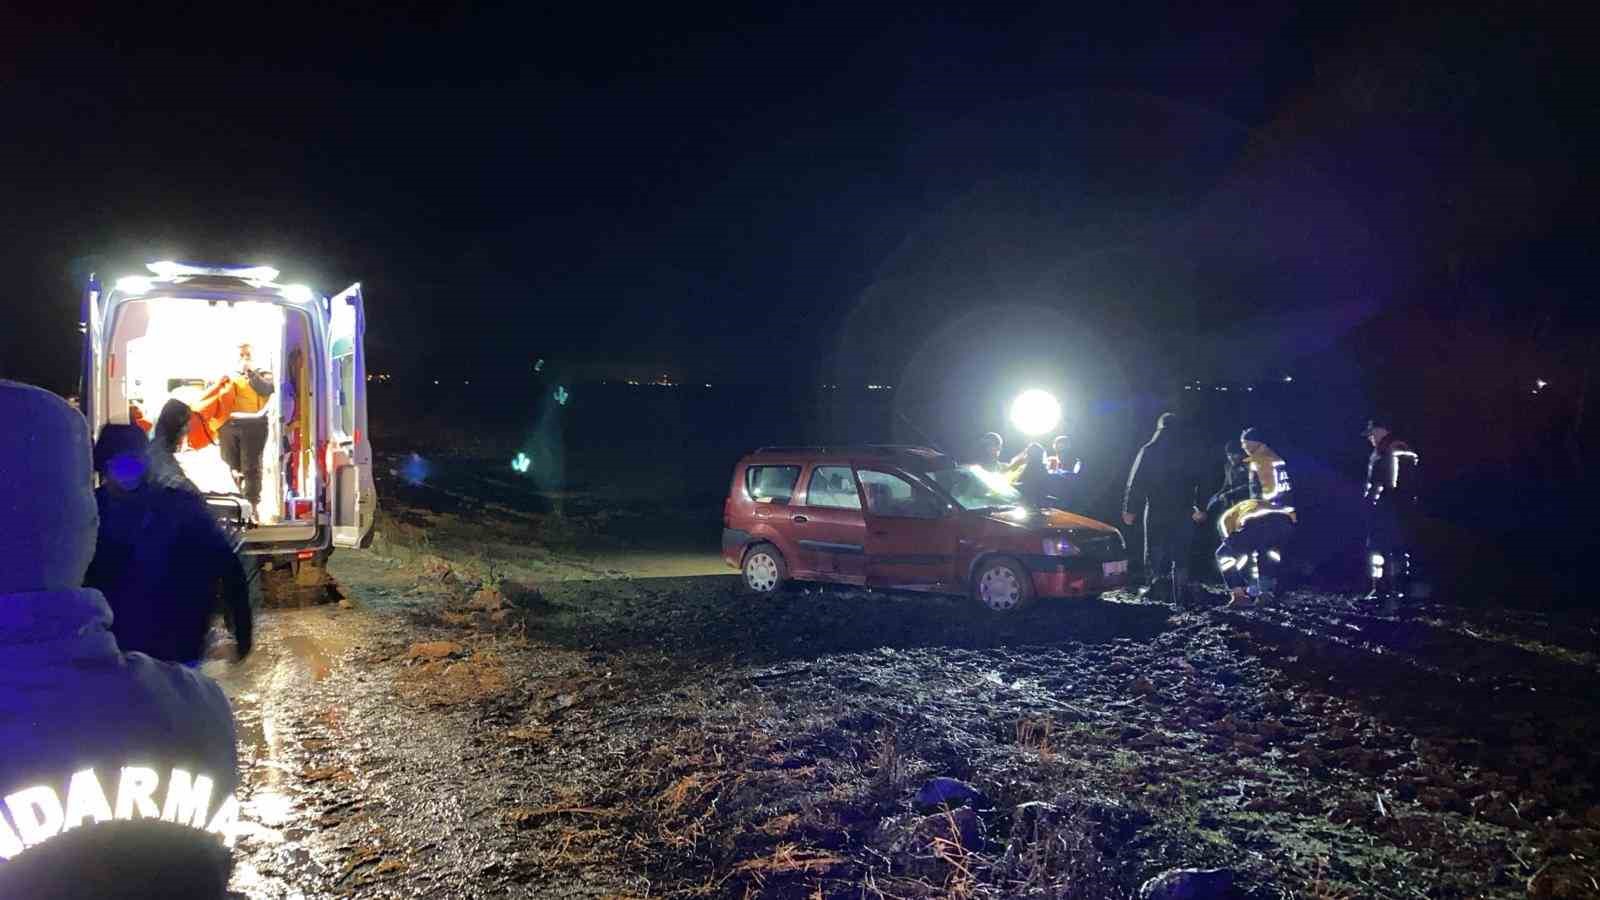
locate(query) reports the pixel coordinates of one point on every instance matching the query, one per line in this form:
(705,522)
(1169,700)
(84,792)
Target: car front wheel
(764,571)
(1002,585)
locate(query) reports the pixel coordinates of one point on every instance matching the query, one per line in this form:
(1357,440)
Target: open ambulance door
(352,492)
(89,392)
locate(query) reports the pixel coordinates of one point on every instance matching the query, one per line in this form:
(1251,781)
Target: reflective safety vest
(1271,493)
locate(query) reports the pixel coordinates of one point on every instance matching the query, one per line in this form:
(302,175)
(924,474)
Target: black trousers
(1255,552)
(1167,536)
(242,442)
(1389,530)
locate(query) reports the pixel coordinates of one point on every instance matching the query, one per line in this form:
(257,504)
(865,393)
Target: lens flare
(1035,412)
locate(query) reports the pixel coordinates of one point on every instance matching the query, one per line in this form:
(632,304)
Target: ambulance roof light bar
(166,268)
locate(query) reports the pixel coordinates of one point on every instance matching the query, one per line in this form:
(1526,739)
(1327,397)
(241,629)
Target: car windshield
(973,487)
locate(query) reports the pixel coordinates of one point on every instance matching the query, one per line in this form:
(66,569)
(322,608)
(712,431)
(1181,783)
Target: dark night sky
(711,190)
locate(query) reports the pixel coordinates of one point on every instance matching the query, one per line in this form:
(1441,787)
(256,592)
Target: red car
(909,518)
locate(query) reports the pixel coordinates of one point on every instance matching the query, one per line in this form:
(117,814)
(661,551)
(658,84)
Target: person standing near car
(990,446)
(1391,501)
(1061,461)
(1256,530)
(1161,487)
(85,723)
(243,437)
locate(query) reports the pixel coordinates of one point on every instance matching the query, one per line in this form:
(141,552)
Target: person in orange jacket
(234,411)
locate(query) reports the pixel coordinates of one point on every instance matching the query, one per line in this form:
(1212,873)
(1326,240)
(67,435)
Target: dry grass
(681,792)
(788,858)
(1037,735)
(889,766)
(527,817)
(448,682)
(961,883)
(1320,888)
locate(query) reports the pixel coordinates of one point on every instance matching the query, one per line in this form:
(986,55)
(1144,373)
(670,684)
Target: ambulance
(175,333)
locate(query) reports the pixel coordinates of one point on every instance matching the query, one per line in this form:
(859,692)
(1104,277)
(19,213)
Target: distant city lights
(880,387)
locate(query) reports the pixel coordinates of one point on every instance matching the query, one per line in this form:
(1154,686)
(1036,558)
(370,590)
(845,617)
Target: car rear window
(771,484)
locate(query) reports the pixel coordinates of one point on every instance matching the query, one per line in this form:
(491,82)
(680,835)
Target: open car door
(353,492)
(911,538)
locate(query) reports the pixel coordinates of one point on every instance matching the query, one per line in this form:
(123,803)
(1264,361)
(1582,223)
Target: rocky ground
(564,697)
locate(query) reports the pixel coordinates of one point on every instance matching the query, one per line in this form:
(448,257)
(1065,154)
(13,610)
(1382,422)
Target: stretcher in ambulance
(176,334)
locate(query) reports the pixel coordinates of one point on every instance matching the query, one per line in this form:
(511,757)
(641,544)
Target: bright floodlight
(133,284)
(1035,412)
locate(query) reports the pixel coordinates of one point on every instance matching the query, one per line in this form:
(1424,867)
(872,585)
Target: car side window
(891,495)
(832,486)
(771,484)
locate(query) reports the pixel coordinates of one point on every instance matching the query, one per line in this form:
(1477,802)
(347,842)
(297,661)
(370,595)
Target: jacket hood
(53,626)
(47,509)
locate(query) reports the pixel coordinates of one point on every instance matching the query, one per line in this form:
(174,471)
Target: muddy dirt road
(522,703)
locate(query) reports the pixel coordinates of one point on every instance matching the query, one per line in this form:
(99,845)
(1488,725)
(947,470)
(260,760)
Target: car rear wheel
(764,570)
(1002,585)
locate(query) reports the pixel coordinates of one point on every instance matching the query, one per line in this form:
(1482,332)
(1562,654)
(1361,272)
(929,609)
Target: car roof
(906,455)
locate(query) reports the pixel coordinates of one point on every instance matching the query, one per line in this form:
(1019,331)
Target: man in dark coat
(159,558)
(1161,486)
(119,772)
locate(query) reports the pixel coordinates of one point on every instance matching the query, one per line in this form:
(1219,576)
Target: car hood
(1049,520)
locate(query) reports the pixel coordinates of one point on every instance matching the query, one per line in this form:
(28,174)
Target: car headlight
(1060,546)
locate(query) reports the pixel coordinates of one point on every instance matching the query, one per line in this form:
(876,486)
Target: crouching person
(119,772)
(1256,531)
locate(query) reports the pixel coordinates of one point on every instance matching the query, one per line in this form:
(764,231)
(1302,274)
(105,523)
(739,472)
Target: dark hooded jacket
(1163,475)
(159,558)
(97,735)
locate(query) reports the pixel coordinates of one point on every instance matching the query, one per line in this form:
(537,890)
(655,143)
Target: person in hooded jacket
(1162,486)
(1256,530)
(119,772)
(159,558)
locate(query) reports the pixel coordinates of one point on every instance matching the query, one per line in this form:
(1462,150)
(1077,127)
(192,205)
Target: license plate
(1120,567)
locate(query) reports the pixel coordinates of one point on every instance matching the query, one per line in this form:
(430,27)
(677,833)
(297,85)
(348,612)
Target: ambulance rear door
(353,494)
(90,392)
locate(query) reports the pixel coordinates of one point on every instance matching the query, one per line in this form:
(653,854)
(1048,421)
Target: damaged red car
(910,518)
